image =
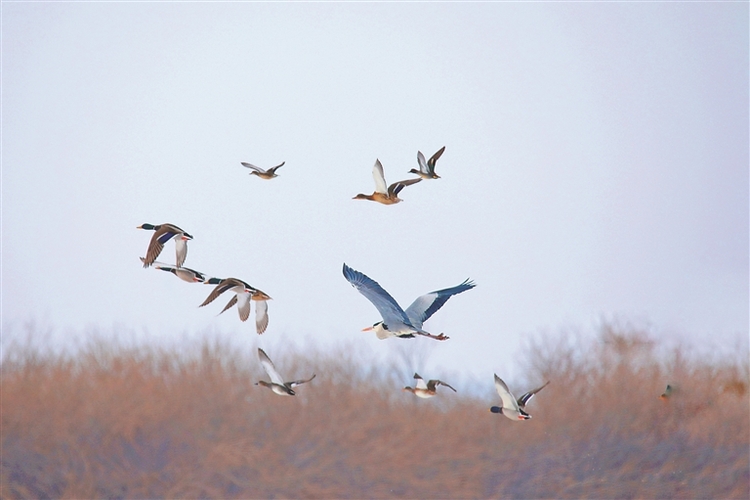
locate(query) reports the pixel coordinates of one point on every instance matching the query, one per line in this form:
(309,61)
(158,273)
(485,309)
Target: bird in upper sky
(389,195)
(263,174)
(277,384)
(427,168)
(397,322)
(162,234)
(514,409)
(184,273)
(427,390)
(243,294)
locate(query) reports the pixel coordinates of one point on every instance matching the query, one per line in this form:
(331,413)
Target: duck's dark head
(147,226)
(496,409)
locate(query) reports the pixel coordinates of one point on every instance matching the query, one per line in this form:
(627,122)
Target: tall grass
(143,422)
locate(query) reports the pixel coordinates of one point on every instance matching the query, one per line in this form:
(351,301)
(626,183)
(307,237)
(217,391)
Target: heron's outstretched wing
(385,304)
(426,305)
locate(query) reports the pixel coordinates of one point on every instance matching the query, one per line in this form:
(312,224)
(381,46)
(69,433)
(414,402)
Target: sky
(596,169)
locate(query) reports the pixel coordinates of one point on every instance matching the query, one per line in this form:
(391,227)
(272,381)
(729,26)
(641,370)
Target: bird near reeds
(263,174)
(427,168)
(397,322)
(243,295)
(426,390)
(514,409)
(277,384)
(184,273)
(162,234)
(385,195)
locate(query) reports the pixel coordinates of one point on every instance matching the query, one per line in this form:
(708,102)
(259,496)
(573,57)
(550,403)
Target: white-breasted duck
(514,409)
(426,390)
(427,168)
(277,384)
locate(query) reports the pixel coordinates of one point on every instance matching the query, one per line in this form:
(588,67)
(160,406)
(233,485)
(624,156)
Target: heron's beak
(367,329)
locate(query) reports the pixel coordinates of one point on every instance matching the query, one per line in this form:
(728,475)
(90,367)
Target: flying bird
(427,168)
(277,383)
(184,273)
(397,322)
(243,294)
(389,195)
(427,390)
(162,234)
(263,174)
(667,392)
(514,409)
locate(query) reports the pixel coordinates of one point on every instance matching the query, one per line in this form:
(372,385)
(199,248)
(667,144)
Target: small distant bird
(397,322)
(263,174)
(184,273)
(512,408)
(243,294)
(389,195)
(277,383)
(427,168)
(427,390)
(667,392)
(162,234)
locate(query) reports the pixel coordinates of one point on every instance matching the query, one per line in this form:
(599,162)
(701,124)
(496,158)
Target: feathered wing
(434,158)
(273,170)
(257,169)
(435,383)
(180,247)
(422,163)
(379,177)
(523,400)
(383,302)
(426,305)
(220,288)
(420,382)
(231,302)
(156,245)
(505,395)
(396,187)
(243,305)
(295,383)
(270,369)
(261,316)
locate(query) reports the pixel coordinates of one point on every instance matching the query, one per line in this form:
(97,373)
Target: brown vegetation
(144,422)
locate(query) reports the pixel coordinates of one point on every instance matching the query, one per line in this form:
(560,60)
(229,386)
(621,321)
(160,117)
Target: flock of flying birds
(396,322)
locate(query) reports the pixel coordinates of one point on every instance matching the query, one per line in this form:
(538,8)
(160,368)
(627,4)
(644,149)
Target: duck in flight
(243,294)
(162,234)
(389,195)
(426,390)
(277,384)
(263,174)
(184,273)
(514,409)
(397,322)
(427,168)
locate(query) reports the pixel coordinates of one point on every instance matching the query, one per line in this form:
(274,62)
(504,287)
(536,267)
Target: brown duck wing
(273,169)
(231,302)
(434,158)
(396,187)
(222,287)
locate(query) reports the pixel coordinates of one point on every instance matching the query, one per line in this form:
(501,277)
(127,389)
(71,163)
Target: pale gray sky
(596,166)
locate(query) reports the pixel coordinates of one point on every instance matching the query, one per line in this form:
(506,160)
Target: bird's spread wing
(396,187)
(222,287)
(299,382)
(270,369)
(508,400)
(274,169)
(243,305)
(383,302)
(180,247)
(261,316)
(523,400)
(422,163)
(426,305)
(379,176)
(440,382)
(420,382)
(434,158)
(257,169)
(231,302)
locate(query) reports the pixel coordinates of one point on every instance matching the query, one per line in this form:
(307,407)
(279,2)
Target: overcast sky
(596,166)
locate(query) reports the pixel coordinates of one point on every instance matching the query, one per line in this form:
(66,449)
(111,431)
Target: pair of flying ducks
(244,293)
(389,195)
